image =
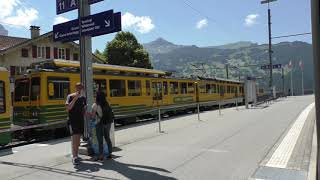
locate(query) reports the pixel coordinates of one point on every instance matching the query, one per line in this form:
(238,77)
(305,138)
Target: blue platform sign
(63,6)
(275,66)
(94,25)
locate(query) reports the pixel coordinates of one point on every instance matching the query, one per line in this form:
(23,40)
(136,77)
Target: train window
(209,89)
(21,91)
(183,88)
(228,89)
(214,88)
(60,88)
(202,88)
(100,85)
(134,88)
(174,88)
(218,89)
(148,90)
(222,89)
(190,88)
(2,98)
(35,88)
(117,88)
(165,88)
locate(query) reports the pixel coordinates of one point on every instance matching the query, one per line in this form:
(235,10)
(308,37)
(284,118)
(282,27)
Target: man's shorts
(76,127)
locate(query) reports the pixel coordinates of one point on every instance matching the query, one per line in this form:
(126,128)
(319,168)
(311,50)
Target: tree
(100,55)
(125,50)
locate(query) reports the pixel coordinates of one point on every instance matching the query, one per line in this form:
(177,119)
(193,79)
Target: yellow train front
(5,108)
(40,95)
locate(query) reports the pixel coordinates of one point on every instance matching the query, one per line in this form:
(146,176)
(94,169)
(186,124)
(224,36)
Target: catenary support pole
(291,81)
(86,71)
(270,50)
(302,82)
(315,14)
(283,87)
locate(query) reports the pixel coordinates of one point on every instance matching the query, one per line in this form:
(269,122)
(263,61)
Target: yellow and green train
(40,95)
(5,107)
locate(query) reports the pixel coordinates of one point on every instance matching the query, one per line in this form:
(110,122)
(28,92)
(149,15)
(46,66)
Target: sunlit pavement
(239,144)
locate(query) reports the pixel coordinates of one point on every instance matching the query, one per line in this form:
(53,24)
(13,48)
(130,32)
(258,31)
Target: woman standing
(102,113)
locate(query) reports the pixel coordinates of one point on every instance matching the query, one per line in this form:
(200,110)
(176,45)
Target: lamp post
(270,43)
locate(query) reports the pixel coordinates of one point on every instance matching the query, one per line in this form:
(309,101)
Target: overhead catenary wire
(292,35)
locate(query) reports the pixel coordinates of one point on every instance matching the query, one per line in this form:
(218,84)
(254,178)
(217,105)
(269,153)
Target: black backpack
(107,115)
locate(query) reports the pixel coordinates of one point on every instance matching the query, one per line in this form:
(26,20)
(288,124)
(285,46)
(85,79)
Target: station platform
(238,144)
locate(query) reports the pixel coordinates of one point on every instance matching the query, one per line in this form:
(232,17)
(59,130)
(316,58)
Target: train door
(34,97)
(157,93)
(22,100)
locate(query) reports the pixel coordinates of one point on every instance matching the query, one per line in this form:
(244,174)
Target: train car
(5,107)
(132,92)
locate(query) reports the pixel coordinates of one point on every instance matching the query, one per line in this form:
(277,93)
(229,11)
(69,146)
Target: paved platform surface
(236,145)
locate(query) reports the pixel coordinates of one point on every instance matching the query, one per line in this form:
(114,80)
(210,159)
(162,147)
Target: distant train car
(5,108)
(132,92)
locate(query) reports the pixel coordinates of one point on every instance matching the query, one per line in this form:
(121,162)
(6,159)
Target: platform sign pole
(159,118)
(198,107)
(315,14)
(220,105)
(237,103)
(86,71)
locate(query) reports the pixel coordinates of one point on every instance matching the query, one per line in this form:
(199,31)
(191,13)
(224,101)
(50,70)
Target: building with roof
(17,54)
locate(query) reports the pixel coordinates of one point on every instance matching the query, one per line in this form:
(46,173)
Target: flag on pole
(301,64)
(290,64)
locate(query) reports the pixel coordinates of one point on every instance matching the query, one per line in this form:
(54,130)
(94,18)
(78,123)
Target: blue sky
(187,22)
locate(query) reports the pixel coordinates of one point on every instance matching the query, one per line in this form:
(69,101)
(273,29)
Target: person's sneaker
(101,158)
(75,161)
(110,156)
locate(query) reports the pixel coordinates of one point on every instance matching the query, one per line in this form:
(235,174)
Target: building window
(2,98)
(61,53)
(58,88)
(117,88)
(24,53)
(41,52)
(75,57)
(134,88)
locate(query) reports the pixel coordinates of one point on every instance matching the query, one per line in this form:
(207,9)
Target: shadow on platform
(84,170)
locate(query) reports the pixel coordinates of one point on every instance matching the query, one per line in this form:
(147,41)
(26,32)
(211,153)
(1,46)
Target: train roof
(220,79)
(57,63)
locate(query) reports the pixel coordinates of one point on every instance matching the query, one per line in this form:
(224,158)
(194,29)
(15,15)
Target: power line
(293,35)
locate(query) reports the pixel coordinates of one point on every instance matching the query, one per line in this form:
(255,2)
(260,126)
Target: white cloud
(142,24)
(13,12)
(251,20)
(60,19)
(202,24)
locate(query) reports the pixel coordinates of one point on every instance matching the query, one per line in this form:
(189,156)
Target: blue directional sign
(63,6)
(102,23)
(275,66)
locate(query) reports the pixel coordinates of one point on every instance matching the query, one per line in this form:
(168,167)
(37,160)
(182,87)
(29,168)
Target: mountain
(160,46)
(248,57)
(236,45)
